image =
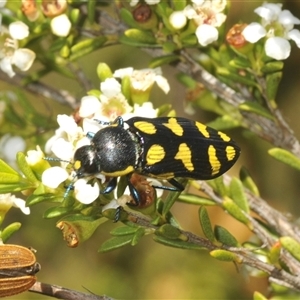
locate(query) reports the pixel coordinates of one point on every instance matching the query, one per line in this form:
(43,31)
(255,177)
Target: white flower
(9,200)
(207,14)
(277,27)
(61,25)
(10,146)
(177,19)
(10,54)
(85,192)
(143,80)
(54,176)
(149,2)
(34,156)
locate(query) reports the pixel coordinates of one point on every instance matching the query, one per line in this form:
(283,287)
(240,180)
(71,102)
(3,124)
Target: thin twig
(59,292)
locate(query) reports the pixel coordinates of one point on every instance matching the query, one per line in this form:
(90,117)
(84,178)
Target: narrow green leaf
(104,71)
(205,224)
(238,195)
(137,37)
(220,186)
(224,123)
(273,81)
(248,182)
(224,255)
(9,178)
(137,236)
(285,157)
(258,296)
(9,230)
(163,60)
(55,212)
(255,108)
(171,198)
(194,199)
(91,11)
(115,243)
(176,243)
(291,245)
(15,187)
(168,231)
(225,237)
(25,168)
(235,211)
(124,230)
(271,67)
(85,47)
(48,197)
(5,168)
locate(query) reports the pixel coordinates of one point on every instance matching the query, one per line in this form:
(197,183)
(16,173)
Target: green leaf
(273,81)
(224,255)
(55,212)
(259,296)
(91,7)
(137,37)
(163,60)
(137,236)
(124,230)
(271,67)
(9,178)
(220,186)
(248,181)
(115,243)
(235,211)
(291,245)
(85,47)
(176,243)
(205,224)
(225,237)
(25,168)
(5,168)
(9,230)
(171,198)
(224,123)
(168,231)
(238,195)
(47,197)
(285,157)
(194,199)
(255,108)
(104,71)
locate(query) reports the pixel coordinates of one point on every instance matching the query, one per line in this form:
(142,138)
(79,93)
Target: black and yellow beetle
(164,148)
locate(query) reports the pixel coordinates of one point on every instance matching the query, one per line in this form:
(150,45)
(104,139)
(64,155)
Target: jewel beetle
(164,148)
(18,267)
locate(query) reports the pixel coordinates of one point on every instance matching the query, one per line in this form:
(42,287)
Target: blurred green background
(150,270)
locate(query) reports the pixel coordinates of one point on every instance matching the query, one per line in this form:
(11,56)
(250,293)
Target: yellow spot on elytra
(126,171)
(213,159)
(203,129)
(230,153)
(155,154)
(224,136)
(174,126)
(145,127)
(185,155)
(77,164)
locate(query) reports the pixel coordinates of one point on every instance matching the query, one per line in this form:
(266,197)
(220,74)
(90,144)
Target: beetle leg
(134,193)
(118,214)
(177,186)
(110,186)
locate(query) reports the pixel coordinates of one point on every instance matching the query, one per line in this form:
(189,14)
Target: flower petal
(206,34)
(23,58)
(254,32)
(61,25)
(18,30)
(277,48)
(295,36)
(84,192)
(54,176)
(20,203)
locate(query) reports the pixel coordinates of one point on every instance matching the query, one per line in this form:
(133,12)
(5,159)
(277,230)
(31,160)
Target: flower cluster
(277,27)
(109,104)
